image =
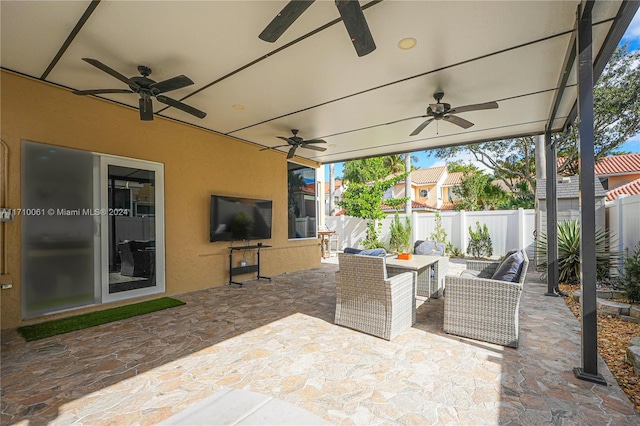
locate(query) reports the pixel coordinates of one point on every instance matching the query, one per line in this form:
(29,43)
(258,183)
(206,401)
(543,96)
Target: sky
(632,36)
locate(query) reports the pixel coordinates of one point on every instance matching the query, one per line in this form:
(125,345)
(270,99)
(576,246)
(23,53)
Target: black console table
(238,270)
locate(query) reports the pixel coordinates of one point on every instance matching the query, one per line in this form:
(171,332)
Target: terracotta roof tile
(617,164)
(447,206)
(453,179)
(631,188)
(414,205)
(427,176)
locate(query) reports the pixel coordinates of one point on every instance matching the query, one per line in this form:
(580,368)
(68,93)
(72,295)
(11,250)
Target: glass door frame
(158,168)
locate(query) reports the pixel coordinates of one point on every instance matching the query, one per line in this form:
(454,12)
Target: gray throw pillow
(509,270)
(350,250)
(379,252)
(430,248)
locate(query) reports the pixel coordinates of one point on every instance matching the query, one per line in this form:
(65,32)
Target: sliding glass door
(58,235)
(132,229)
(92,228)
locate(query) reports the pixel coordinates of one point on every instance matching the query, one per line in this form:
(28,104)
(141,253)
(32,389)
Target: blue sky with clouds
(632,36)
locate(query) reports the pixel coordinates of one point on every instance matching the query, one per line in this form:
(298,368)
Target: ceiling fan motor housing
(438,110)
(143,82)
(144,70)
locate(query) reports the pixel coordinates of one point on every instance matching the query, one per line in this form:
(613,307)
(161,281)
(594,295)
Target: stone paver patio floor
(279,339)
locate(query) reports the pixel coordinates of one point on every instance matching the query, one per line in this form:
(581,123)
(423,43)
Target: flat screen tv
(238,219)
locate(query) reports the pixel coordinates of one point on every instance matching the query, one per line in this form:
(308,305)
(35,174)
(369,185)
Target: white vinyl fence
(623,222)
(509,229)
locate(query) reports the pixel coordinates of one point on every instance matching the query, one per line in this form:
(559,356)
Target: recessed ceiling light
(238,107)
(407,43)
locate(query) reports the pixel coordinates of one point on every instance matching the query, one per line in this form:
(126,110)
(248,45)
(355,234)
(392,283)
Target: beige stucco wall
(197,163)
(616,181)
(432,199)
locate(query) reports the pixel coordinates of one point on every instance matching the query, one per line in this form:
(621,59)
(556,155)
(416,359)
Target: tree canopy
(364,170)
(374,168)
(364,200)
(369,179)
(476,190)
(616,120)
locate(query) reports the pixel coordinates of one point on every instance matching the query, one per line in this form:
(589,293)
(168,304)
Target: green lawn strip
(66,325)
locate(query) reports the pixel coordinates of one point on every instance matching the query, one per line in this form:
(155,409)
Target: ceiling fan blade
(314,141)
(181,106)
(146,109)
(458,121)
(313,147)
(284,139)
(111,72)
(292,151)
(273,147)
(474,107)
(174,83)
(100,91)
(421,127)
(357,26)
(284,19)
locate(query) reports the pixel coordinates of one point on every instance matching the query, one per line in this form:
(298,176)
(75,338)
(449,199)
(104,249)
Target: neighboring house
(618,170)
(339,189)
(448,198)
(617,174)
(431,190)
(631,188)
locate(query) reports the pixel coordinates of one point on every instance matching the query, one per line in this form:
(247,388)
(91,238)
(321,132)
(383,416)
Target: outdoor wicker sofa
(368,301)
(482,308)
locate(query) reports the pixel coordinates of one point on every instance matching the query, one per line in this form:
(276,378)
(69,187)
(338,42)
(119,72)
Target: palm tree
(395,163)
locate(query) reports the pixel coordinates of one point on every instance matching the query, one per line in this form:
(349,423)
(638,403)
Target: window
(424,193)
(302,211)
(605,183)
(452,195)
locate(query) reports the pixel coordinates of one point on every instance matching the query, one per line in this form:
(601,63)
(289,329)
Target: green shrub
(569,252)
(371,240)
(629,278)
(453,251)
(480,244)
(439,234)
(400,235)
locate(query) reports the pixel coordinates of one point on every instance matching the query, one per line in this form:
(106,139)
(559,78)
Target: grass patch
(79,322)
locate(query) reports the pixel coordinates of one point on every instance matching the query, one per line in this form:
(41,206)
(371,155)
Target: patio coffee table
(427,286)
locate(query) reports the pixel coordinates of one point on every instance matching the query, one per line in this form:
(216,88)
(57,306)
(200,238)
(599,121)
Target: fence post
(463,231)
(521,229)
(620,230)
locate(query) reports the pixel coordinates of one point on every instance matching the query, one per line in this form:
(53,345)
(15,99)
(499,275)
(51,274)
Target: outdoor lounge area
(145,117)
(279,339)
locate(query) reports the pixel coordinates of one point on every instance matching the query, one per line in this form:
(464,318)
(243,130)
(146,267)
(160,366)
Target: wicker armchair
(482,308)
(368,301)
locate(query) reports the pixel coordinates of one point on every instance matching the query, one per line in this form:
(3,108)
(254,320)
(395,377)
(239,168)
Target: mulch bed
(613,339)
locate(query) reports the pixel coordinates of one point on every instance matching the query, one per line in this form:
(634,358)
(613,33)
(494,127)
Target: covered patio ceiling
(311,78)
